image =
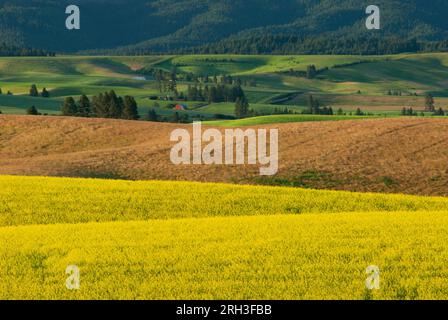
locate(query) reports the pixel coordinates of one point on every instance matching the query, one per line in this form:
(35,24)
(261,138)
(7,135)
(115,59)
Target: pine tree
(316,107)
(32,111)
(172,83)
(429,103)
(439,112)
(311,104)
(114,105)
(152,115)
(176,117)
(97,106)
(213,95)
(84,106)
(69,108)
(238,108)
(311,71)
(33,91)
(45,93)
(241,107)
(130,109)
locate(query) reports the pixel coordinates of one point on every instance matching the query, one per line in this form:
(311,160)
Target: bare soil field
(397,155)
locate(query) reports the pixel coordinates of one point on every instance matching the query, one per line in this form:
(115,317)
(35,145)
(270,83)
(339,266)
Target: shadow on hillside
(95,175)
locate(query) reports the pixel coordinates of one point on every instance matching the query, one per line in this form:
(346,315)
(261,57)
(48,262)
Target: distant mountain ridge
(142,26)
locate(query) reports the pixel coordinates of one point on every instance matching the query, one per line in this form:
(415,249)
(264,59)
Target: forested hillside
(238,26)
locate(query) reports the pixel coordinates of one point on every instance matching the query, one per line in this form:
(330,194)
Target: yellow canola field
(171,240)
(41,200)
(265,257)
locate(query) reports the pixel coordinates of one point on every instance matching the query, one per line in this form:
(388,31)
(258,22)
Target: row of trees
(167,80)
(242,108)
(17,51)
(410,112)
(215,93)
(287,44)
(315,108)
(104,105)
(217,89)
(34,92)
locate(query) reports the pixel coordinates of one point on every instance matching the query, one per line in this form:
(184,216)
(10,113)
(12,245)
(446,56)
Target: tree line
(34,92)
(17,51)
(215,93)
(166,81)
(315,108)
(104,105)
(290,44)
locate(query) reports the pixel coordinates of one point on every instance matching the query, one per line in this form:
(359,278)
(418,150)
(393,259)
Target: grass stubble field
(394,155)
(195,240)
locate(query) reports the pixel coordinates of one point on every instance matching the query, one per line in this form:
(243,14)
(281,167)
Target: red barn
(180,107)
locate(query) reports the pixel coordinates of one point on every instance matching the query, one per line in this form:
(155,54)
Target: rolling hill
(181,240)
(396,155)
(350,82)
(137,26)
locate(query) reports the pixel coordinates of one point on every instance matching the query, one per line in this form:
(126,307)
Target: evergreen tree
(32,111)
(429,103)
(84,106)
(311,71)
(45,93)
(98,106)
(213,95)
(439,112)
(311,104)
(33,91)
(241,107)
(152,116)
(172,83)
(130,109)
(158,76)
(69,108)
(176,117)
(114,105)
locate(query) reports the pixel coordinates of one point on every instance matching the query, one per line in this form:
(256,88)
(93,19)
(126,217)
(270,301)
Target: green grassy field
(253,64)
(350,81)
(282,119)
(153,240)
(228,108)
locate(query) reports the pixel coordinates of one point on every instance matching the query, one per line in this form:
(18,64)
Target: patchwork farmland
(352,190)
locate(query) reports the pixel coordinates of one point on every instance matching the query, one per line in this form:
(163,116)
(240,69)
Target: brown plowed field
(400,155)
